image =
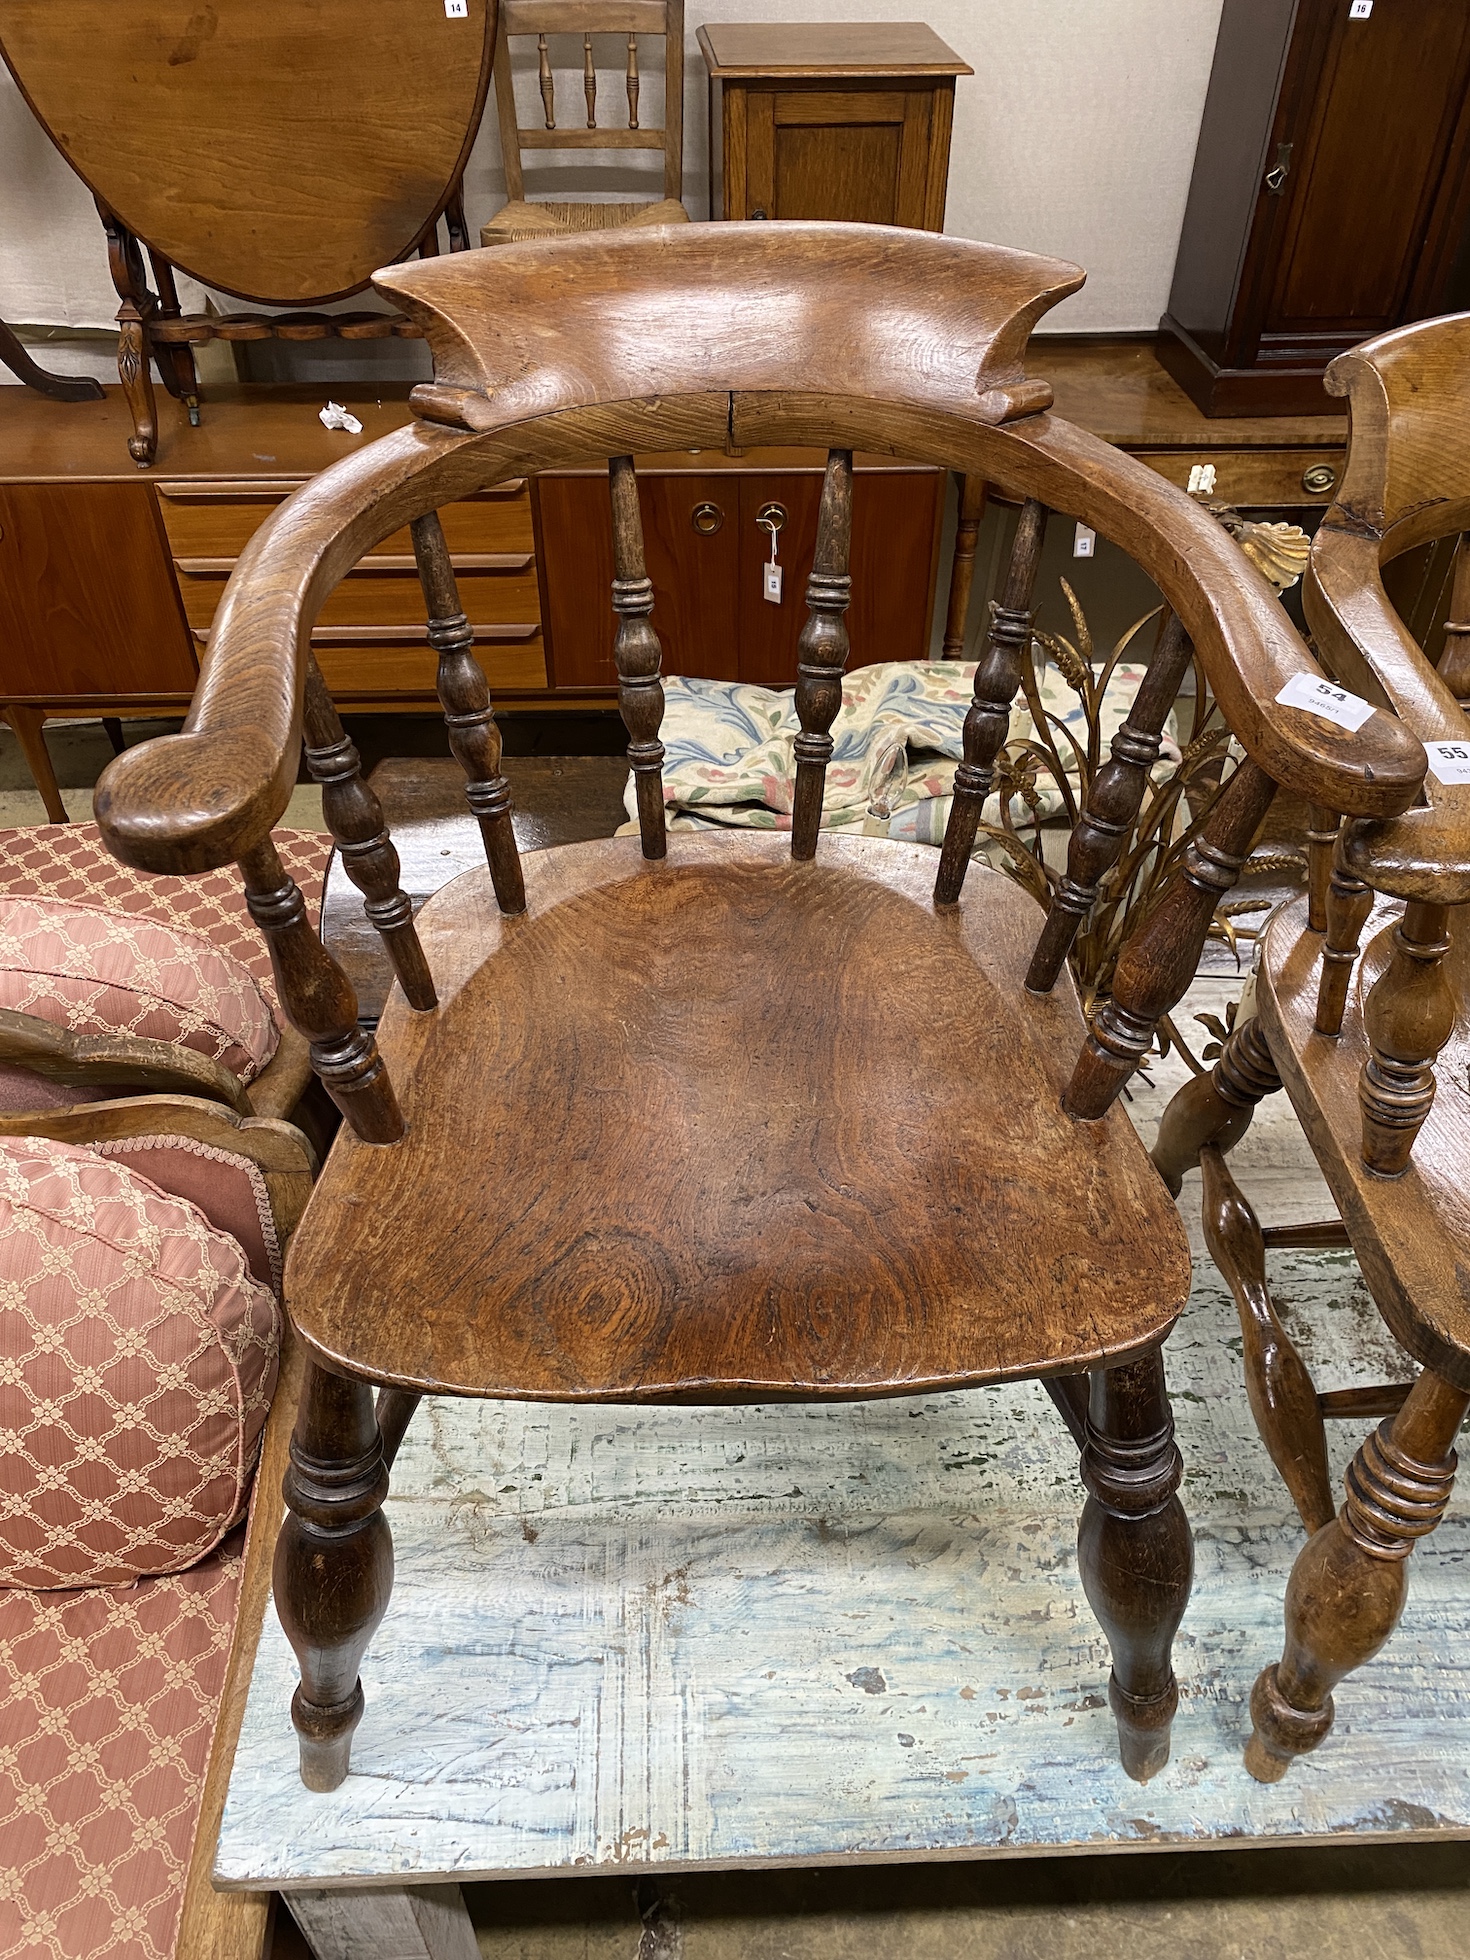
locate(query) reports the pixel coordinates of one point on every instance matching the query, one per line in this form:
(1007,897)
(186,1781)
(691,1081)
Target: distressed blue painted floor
(698,1637)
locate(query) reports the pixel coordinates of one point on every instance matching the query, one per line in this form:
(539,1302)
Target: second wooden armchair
(1372,1049)
(745,1117)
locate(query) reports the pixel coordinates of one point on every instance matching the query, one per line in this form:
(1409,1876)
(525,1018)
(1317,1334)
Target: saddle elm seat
(677,1183)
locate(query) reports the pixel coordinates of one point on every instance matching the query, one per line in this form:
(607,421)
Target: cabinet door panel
(87,597)
(694,575)
(1366,165)
(894,518)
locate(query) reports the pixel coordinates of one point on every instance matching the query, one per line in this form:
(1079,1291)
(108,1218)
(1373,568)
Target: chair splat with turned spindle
(997,676)
(632,81)
(355,818)
(639,656)
(464,695)
(548,85)
(821,652)
(1113,803)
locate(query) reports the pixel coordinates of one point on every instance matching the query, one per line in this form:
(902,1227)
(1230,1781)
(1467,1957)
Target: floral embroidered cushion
(137,1362)
(97,971)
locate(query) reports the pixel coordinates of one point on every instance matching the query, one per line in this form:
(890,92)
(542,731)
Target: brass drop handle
(771,517)
(757,213)
(1319,479)
(706,519)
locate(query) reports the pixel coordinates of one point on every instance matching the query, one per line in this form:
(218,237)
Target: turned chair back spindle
(627,19)
(602,345)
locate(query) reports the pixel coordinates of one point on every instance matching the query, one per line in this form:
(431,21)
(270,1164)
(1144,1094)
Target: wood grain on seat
(1409,1232)
(730,1127)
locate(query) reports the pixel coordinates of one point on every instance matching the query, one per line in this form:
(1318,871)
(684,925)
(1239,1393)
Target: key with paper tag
(771,588)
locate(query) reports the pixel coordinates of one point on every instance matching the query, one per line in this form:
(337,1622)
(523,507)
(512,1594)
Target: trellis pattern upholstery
(137,1360)
(96,971)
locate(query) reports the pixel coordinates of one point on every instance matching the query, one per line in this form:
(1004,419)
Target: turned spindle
(1322,828)
(632,81)
(1349,901)
(589,80)
(355,818)
(318,1000)
(544,77)
(821,652)
(1114,800)
(1454,661)
(1409,1015)
(638,655)
(987,723)
(1160,959)
(464,695)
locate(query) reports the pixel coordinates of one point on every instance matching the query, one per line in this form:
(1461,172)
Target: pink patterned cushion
(100,972)
(70,860)
(137,1361)
(108,1702)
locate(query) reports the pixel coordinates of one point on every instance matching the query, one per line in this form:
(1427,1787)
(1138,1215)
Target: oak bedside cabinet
(830,120)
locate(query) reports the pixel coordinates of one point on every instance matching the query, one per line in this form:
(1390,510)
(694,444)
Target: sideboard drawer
(217,520)
(361,671)
(498,594)
(1253,477)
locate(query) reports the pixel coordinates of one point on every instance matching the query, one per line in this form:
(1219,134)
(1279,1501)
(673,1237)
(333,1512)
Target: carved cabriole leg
(1216,1109)
(997,676)
(1160,959)
(355,818)
(962,572)
(1134,1552)
(464,695)
(821,652)
(134,354)
(1350,1581)
(135,373)
(639,657)
(1349,901)
(333,1565)
(60,387)
(1322,828)
(1282,1396)
(1409,1015)
(318,1000)
(1113,803)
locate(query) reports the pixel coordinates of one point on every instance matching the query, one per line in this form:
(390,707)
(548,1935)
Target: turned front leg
(1349,1583)
(333,1566)
(1134,1552)
(1409,1015)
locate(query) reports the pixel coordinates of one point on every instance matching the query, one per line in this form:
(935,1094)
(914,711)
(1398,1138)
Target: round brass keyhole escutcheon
(771,517)
(706,519)
(1319,479)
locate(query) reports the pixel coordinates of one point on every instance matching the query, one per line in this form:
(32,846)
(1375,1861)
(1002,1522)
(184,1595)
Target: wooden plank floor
(701,1637)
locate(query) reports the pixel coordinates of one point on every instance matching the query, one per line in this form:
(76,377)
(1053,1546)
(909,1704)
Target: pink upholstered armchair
(149,1178)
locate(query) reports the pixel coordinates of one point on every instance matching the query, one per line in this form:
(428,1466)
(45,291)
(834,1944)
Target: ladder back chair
(1358,1039)
(520,218)
(670,1121)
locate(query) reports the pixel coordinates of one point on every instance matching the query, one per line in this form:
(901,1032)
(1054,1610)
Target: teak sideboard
(109,579)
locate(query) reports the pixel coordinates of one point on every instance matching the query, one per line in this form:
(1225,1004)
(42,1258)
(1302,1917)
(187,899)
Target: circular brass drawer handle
(1319,479)
(706,519)
(771,517)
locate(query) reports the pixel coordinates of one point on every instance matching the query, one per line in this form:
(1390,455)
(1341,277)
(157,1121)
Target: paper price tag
(1324,698)
(1449,762)
(772,588)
